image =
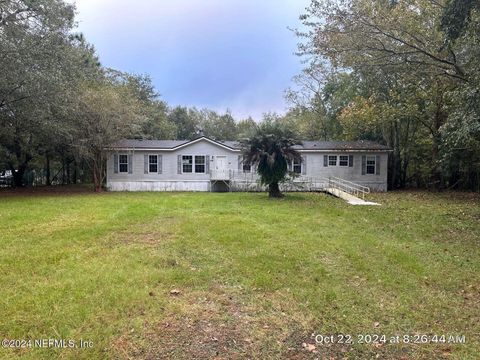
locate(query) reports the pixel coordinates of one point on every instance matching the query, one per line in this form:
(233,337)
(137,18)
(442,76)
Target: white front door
(221,168)
(221,163)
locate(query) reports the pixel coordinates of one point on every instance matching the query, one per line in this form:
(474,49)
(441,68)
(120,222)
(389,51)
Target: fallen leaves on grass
(309,347)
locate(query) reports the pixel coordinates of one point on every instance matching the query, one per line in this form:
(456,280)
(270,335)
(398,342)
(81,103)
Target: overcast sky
(220,54)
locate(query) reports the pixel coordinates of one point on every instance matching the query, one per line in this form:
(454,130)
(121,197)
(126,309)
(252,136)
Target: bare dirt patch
(208,326)
(151,237)
(154,233)
(216,325)
(221,324)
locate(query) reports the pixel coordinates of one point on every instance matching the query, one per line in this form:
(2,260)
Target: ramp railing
(348,186)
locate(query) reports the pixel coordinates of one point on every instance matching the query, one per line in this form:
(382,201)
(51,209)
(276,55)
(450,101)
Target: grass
(256,277)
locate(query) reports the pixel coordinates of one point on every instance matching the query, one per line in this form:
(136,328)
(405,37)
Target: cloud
(235,54)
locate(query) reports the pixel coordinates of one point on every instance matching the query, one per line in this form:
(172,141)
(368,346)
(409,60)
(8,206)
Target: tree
(186,124)
(41,65)
(310,111)
(107,111)
(155,111)
(157,124)
(396,34)
(270,149)
(460,148)
(408,62)
(456,17)
(219,127)
(245,128)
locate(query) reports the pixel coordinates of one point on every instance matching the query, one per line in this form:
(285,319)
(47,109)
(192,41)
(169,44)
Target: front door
(221,169)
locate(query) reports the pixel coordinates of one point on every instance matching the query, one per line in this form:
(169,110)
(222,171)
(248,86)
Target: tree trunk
(75,171)
(99,172)
(439,119)
(18,175)
(274,190)
(97,184)
(48,180)
(68,172)
(63,170)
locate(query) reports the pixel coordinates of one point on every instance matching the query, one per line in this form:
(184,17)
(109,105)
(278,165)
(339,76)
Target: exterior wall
(317,173)
(377,182)
(170,180)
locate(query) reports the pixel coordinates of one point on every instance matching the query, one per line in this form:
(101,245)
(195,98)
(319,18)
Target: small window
(200,164)
(152,163)
(371,162)
(246,167)
(187,163)
(297,166)
(343,160)
(332,160)
(123,163)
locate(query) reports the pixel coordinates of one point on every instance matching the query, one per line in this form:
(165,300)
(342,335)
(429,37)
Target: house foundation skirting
(207,185)
(159,185)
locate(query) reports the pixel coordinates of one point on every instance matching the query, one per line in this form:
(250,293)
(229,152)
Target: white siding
(170,180)
(316,169)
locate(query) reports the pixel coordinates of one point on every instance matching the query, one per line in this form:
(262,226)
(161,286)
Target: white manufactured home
(204,164)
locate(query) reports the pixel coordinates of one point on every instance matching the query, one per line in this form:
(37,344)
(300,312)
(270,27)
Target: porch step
(352,200)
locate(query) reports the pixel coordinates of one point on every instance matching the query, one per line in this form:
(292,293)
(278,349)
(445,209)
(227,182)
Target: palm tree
(270,148)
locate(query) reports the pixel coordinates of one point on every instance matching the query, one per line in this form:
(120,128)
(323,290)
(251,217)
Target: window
(343,160)
(200,164)
(187,163)
(371,165)
(332,160)
(194,164)
(152,163)
(123,163)
(297,166)
(246,167)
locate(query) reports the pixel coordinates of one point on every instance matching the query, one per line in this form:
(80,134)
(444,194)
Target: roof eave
(344,150)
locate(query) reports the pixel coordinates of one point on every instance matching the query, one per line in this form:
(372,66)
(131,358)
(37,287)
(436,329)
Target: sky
(217,54)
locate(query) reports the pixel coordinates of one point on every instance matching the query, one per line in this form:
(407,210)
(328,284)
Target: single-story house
(204,164)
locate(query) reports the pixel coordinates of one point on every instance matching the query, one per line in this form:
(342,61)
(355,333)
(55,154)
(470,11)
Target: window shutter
(325,160)
(145,164)
(304,165)
(240,163)
(130,164)
(289,165)
(364,164)
(115,163)
(207,164)
(179,164)
(350,160)
(160,164)
(377,165)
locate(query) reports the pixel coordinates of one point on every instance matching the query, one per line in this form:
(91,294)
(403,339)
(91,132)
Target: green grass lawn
(256,277)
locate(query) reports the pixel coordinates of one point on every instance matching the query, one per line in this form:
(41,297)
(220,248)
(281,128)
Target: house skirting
(375,186)
(159,185)
(208,185)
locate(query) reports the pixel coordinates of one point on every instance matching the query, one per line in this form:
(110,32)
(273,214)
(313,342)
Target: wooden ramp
(352,200)
(348,191)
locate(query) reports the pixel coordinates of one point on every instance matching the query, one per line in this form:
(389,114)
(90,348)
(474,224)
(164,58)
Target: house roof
(341,145)
(234,145)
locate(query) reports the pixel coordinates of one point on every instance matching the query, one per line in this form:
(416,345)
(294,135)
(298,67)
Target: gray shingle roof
(307,145)
(150,144)
(342,145)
